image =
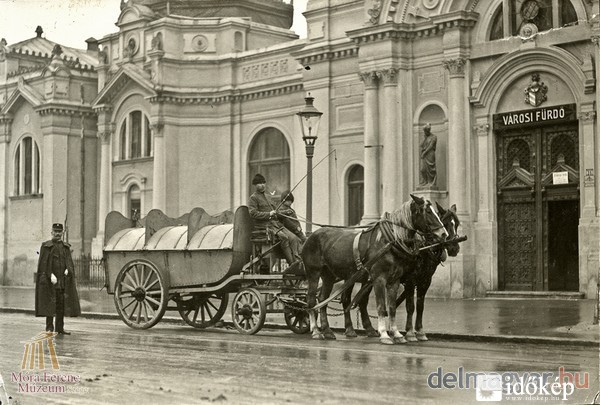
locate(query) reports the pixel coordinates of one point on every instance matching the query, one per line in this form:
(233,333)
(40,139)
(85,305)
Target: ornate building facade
(188,100)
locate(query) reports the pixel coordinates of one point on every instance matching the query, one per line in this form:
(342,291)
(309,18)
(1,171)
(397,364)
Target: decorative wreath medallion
(430,4)
(200,43)
(528,30)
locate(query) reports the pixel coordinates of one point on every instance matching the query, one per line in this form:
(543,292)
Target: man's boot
(294,265)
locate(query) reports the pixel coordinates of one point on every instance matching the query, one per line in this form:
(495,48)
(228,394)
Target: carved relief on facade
(388,76)
(431,82)
(264,70)
(369,78)
(456,67)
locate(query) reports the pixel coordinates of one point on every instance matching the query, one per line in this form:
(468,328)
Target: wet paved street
(171,364)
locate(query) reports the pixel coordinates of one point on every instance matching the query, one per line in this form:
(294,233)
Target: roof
(43,47)
(211,237)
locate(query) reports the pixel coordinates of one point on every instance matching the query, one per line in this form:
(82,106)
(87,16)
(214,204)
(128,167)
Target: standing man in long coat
(55,288)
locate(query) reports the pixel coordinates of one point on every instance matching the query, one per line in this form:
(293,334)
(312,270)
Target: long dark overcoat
(45,297)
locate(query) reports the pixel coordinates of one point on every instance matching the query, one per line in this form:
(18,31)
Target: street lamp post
(309,122)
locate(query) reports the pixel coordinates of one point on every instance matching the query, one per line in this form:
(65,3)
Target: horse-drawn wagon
(192,264)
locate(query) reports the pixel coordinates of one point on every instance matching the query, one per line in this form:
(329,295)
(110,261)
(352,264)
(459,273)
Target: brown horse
(421,278)
(329,255)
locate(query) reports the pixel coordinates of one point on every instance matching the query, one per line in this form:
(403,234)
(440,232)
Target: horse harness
(394,244)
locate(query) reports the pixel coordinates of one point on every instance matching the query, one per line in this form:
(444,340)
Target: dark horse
(421,278)
(418,278)
(330,254)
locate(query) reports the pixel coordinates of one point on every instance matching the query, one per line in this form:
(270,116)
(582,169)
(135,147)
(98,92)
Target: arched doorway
(538,198)
(269,155)
(356,191)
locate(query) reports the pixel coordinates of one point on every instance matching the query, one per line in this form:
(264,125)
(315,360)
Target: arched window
(356,192)
(27,167)
(526,17)
(134,198)
(135,136)
(238,41)
(269,155)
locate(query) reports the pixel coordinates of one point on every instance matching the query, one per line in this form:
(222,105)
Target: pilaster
(372,147)
(389,168)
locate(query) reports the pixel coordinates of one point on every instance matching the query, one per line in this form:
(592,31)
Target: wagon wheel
(203,310)
(248,311)
(141,294)
(297,320)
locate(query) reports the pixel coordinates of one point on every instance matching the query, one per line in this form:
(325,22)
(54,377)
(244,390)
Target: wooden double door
(538,208)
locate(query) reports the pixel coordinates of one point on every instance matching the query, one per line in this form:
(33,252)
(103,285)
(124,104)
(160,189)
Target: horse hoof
(351,333)
(372,333)
(330,336)
(422,337)
(318,336)
(400,340)
(411,338)
(387,341)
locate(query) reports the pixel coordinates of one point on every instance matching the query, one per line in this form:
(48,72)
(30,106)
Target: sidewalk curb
(436,335)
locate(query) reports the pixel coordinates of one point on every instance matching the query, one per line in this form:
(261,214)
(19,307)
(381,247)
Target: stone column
(390,174)
(159,171)
(105,134)
(5,131)
(371,140)
(458,158)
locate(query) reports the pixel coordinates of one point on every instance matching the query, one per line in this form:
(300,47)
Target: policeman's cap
(58,227)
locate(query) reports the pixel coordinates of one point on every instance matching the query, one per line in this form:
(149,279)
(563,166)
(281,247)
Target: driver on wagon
(264,213)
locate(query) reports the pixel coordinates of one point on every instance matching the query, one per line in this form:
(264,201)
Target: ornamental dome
(275,13)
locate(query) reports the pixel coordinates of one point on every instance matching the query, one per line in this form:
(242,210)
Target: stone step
(563,295)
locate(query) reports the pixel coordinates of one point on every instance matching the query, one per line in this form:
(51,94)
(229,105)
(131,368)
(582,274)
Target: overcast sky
(71,22)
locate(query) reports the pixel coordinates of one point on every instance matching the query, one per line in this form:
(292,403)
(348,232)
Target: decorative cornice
(586,116)
(321,56)
(436,25)
(389,77)
(370,79)
(65,110)
(456,67)
(103,108)
(210,99)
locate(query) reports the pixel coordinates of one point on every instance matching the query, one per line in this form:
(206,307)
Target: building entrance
(538,207)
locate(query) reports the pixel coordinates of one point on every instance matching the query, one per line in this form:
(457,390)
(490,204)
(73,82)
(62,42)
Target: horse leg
(364,314)
(421,291)
(379,285)
(392,294)
(346,301)
(311,299)
(410,309)
(326,288)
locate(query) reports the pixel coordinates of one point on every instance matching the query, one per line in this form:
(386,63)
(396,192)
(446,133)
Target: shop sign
(555,114)
(560,178)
